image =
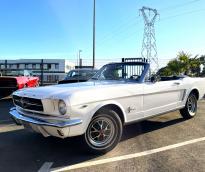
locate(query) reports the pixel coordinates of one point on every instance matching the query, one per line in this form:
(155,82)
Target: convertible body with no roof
(118,94)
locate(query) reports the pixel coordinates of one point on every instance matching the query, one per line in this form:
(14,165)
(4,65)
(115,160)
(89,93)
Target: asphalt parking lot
(21,150)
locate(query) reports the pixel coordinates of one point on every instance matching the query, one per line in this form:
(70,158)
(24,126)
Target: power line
(166,18)
(118,30)
(115,36)
(182,14)
(163,9)
(179,5)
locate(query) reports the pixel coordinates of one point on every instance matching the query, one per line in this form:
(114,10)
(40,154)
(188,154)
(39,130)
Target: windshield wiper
(94,78)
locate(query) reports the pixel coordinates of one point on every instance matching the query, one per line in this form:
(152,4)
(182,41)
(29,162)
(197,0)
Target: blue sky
(59,28)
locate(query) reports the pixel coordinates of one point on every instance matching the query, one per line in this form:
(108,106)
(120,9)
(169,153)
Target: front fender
(87,111)
(110,102)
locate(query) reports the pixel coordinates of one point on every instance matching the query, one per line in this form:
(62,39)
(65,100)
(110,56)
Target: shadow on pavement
(5,105)
(26,151)
(146,126)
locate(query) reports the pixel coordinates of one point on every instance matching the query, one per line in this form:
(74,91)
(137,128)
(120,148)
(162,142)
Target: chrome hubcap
(101,132)
(191,104)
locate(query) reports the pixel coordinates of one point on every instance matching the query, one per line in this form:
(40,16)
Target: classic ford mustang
(118,94)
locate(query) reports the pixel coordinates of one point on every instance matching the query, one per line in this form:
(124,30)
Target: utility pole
(42,72)
(149,48)
(93,33)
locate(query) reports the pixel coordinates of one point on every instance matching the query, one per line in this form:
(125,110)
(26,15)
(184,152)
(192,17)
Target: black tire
(104,132)
(190,109)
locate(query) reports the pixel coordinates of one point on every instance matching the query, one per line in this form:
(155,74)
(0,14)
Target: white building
(53,69)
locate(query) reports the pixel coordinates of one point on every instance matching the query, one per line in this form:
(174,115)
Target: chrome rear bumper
(19,119)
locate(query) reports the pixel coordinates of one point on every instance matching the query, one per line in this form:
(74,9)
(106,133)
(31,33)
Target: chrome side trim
(18,118)
(154,115)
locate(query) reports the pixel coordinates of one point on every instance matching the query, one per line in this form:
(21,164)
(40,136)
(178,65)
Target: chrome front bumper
(18,118)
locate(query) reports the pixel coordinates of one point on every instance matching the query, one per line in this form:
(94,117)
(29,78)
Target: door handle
(176,83)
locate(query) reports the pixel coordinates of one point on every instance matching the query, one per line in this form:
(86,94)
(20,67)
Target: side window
(133,71)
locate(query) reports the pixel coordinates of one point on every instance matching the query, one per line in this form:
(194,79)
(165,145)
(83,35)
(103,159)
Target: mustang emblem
(23,102)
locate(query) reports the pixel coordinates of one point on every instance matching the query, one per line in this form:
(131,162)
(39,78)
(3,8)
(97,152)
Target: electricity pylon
(149,48)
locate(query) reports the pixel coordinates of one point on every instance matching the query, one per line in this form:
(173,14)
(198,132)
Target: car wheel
(104,132)
(190,109)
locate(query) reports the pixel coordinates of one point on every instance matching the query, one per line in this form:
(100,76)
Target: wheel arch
(113,106)
(195,91)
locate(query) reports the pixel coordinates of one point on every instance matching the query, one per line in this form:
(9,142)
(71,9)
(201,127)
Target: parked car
(14,80)
(118,94)
(78,75)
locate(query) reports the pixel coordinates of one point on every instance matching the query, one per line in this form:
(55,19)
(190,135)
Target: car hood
(88,91)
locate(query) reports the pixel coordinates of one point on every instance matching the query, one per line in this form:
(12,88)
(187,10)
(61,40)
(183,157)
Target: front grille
(28,103)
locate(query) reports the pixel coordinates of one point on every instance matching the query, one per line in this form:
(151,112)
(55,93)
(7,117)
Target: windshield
(120,72)
(19,73)
(86,74)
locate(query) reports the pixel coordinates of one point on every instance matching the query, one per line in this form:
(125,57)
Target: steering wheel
(134,77)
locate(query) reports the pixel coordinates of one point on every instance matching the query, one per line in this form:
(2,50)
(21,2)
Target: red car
(14,80)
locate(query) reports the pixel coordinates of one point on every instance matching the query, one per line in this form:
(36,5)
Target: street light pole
(94,34)
(79,59)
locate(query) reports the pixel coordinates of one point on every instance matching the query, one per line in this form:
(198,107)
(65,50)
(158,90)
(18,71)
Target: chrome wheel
(101,131)
(190,110)
(192,105)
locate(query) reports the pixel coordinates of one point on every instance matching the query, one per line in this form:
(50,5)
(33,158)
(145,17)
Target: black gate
(134,60)
(133,70)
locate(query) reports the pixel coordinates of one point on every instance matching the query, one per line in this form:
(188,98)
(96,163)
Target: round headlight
(62,107)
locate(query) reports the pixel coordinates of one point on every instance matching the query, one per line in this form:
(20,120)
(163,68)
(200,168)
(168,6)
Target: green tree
(184,61)
(175,67)
(182,64)
(164,71)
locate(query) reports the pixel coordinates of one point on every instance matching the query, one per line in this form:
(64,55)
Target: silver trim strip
(154,115)
(27,103)
(18,118)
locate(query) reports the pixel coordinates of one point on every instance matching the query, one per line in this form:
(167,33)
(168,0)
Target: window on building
(30,66)
(17,66)
(14,66)
(45,66)
(38,66)
(9,66)
(26,66)
(56,66)
(33,66)
(49,66)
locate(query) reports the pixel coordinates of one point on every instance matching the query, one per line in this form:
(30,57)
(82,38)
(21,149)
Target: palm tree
(175,67)
(189,65)
(184,63)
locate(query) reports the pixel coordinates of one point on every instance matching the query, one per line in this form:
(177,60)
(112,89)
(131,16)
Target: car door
(160,97)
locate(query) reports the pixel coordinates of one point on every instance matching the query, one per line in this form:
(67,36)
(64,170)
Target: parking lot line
(11,127)
(46,167)
(129,156)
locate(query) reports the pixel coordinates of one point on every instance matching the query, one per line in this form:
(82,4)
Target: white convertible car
(119,94)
